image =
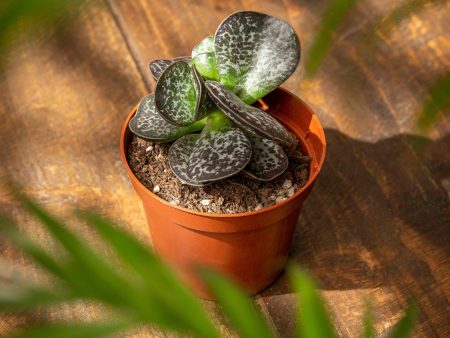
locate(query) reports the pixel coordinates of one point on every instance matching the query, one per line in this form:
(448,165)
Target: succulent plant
(204,102)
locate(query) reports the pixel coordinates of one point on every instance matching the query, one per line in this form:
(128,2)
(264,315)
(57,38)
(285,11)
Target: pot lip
(310,181)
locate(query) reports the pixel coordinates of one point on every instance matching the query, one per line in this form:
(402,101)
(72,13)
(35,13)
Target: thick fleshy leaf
(149,125)
(178,158)
(157,67)
(177,94)
(252,119)
(255,53)
(268,159)
(221,151)
(204,105)
(204,58)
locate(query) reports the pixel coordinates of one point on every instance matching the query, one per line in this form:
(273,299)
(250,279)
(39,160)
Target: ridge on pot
(251,247)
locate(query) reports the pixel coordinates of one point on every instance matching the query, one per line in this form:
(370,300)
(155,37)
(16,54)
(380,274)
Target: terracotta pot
(250,247)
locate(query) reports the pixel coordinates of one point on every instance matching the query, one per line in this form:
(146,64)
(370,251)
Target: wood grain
(376,225)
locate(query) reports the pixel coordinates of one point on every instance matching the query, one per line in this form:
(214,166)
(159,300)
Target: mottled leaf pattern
(219,154)
(157,67)
(204,105)
(250,118)
(255,53)
(204,58)
(148,124)
(178,158)
(176,94)
(268,159)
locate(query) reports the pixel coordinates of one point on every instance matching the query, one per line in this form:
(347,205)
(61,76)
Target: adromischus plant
(250,55)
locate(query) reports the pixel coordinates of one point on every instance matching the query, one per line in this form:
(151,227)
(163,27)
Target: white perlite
(258,207)
(280,199)
(149,148)
(205,202)
(156,189)
(287,184)
(291,191)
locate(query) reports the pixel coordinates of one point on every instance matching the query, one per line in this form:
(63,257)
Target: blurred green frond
(19,16)
(438,99)
(241,311)
(405,326)
(408,8)
(368,331)
(334,15)
(314,320)
(141,289)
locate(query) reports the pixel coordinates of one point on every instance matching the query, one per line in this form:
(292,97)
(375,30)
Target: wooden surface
(376,225)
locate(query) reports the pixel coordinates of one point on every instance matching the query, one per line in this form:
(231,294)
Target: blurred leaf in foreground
(334,15)
(404,328)
(141,289)
(20,16)
(314,319)
(438,99)
(368,330)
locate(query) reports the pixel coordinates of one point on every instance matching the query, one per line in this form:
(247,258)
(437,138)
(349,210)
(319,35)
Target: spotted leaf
(268,159)
(204,58)
(149,125)
(178,158)
(255,53)
(177,94)
(221,151)
(157,67)
(250,118)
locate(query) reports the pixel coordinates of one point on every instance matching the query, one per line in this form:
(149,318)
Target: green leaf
(204,59)
(368,322)
(255,53)
(86,267)
(268,159)
(149,125)
(335,14)
(438,100)
(21,297)
(177,94)
(157,280)
(313,319)
(221,151)
(157,67)
(240,310)
(178,158)
(91,330)
(404,328)
(254,120)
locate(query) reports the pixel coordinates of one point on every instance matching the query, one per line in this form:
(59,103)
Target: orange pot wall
(251,247)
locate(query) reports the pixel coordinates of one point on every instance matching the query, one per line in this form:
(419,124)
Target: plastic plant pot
(251,248)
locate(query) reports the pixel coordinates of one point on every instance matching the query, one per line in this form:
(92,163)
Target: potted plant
(206,130)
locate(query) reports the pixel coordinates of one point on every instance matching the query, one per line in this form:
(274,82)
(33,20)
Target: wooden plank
(377,223)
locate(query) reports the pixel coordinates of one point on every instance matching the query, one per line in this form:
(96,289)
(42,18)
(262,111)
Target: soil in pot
(236,194)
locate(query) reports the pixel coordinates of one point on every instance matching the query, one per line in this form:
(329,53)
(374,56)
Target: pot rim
(311,178)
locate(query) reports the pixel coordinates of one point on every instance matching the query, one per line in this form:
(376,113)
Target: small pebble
(156,189)
(220,200)
(272,198)
(287,184)
(205,202)
(280,199)
(258,206)
(290,192)
(175,202)
(149,148)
